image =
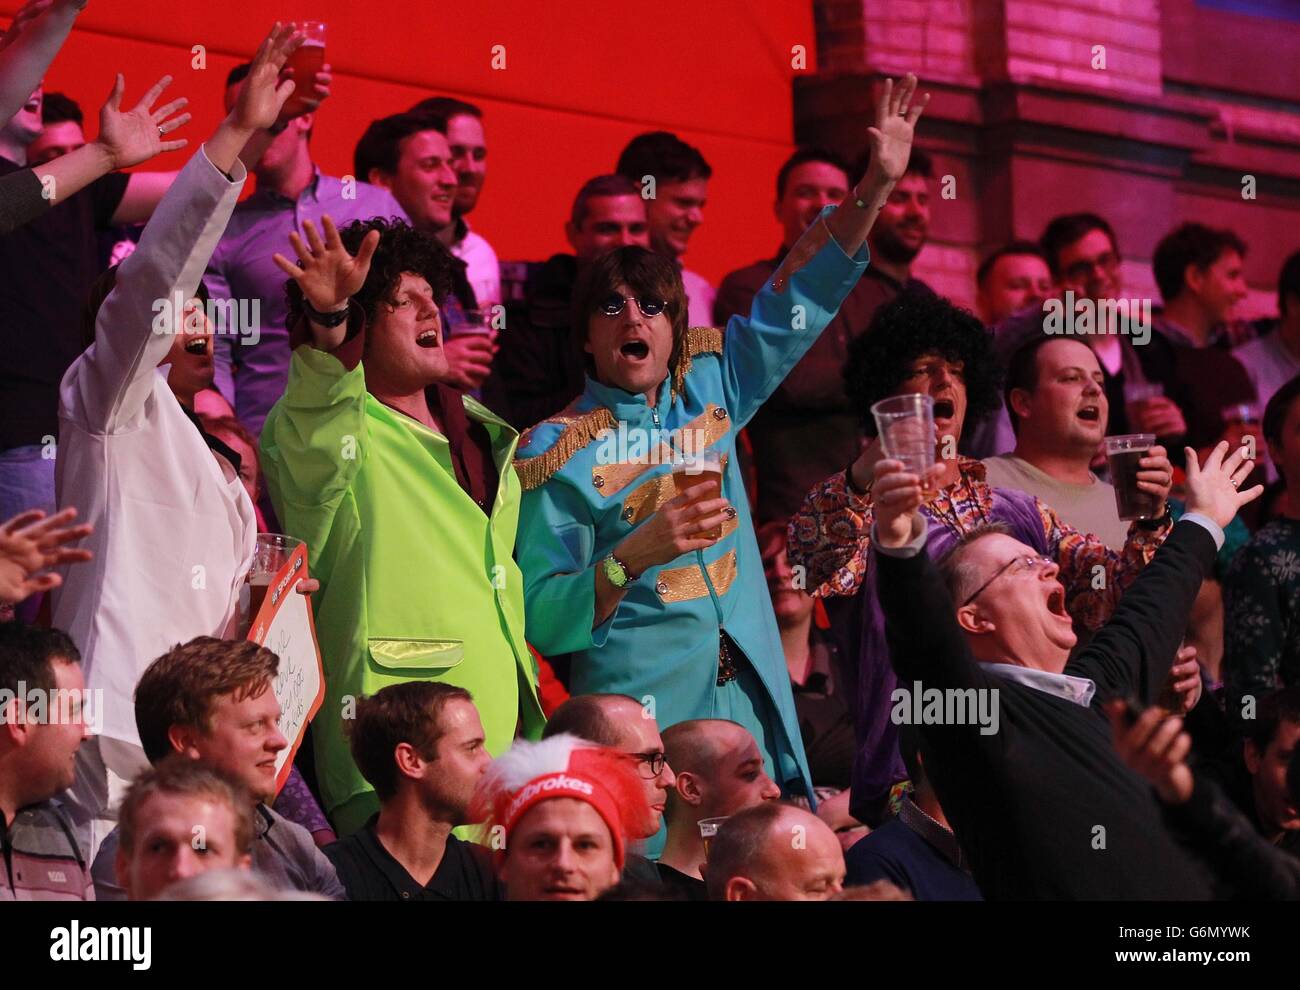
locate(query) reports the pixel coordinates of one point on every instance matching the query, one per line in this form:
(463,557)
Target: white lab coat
(174,527)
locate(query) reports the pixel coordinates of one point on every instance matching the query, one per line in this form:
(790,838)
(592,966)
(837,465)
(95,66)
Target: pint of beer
(305,63)
(690,470)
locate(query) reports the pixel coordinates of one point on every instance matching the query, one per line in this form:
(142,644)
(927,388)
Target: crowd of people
(618,592)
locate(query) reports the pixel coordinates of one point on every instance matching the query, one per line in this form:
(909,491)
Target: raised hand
(896,497)
(891,138)
(326,273)
(30,543)
(137,135)
(263,95)
(1212,486)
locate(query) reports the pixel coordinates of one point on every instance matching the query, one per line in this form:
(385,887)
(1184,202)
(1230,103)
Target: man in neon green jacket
(404,491)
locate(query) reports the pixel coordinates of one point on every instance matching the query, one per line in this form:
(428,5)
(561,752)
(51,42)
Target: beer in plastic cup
(1123,454)
(690,470)
(708,829)
(271,552)
(905,424)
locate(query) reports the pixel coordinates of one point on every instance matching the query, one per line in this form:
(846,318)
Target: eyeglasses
(1080,270)
(1019,564)
(613,304)
(656,762)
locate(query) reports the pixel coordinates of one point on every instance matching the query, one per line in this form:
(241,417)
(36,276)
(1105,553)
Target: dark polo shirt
(370,873)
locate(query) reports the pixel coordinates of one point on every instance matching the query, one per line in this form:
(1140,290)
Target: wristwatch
(618,573)
(1158,522)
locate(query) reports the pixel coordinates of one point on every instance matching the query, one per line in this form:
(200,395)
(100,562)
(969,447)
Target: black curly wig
(909,327)
(402,248)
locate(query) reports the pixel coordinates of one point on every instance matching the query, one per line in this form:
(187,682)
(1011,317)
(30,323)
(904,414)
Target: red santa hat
(565,766)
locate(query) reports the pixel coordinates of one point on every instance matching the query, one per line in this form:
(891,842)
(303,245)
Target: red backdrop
(580,79)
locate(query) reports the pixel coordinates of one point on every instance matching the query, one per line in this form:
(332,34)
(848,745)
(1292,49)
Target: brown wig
(645,273)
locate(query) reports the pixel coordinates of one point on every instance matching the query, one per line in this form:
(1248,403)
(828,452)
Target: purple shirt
(252,354)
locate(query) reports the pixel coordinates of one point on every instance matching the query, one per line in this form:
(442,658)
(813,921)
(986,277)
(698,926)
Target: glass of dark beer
(1123,454)
(272,552)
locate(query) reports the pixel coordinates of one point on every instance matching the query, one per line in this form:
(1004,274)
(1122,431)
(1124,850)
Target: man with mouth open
(403,488)
(1045,809)
(661,595)
(922,343)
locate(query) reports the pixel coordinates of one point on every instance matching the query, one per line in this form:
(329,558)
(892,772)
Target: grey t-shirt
(1088,508)
(284,854)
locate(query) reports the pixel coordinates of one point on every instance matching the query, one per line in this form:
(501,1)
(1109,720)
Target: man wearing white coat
(174,527)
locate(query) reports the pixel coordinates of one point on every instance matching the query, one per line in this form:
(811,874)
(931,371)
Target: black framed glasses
(655,761)
(1083,268)
(613,304)
(1023,562)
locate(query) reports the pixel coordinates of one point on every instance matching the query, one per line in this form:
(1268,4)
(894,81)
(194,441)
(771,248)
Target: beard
(889,246)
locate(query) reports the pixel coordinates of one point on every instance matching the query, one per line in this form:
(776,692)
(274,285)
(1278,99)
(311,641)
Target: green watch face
(615,572)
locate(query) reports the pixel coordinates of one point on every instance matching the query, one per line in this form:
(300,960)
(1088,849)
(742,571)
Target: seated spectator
(1032,801)
(1274,359)
(925,344)
(467,141)
(720,772)
(1056,398)
(540,368)
(673,179)
(1261,592)
(821,684)
(1244,864)
(42,725)
(1083,254)
(1013,278)
(774,852)
(560,814)
(212,700)
(420,745)
(917,850)
(1272,738)
(807,429)
(179,819)
(623,723)
(1199,271)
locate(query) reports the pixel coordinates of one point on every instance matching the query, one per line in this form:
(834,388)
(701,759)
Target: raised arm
(1133,652)
(138,320)
(925,642)
(37,33)
(790,311)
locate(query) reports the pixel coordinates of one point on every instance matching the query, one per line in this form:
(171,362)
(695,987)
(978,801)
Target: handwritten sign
(284,625)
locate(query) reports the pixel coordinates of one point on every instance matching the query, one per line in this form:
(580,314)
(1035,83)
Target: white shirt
(1076,689)
(174,528)
(699,299)
(481,268)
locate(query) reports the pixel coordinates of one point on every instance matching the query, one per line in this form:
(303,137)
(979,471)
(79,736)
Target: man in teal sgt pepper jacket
(620,570)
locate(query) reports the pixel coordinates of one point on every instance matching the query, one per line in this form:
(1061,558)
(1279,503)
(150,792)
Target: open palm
(136,135)
(326,273)
(896,117)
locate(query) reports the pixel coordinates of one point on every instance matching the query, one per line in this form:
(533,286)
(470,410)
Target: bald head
(774,852)
(602,719)
(720,770)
